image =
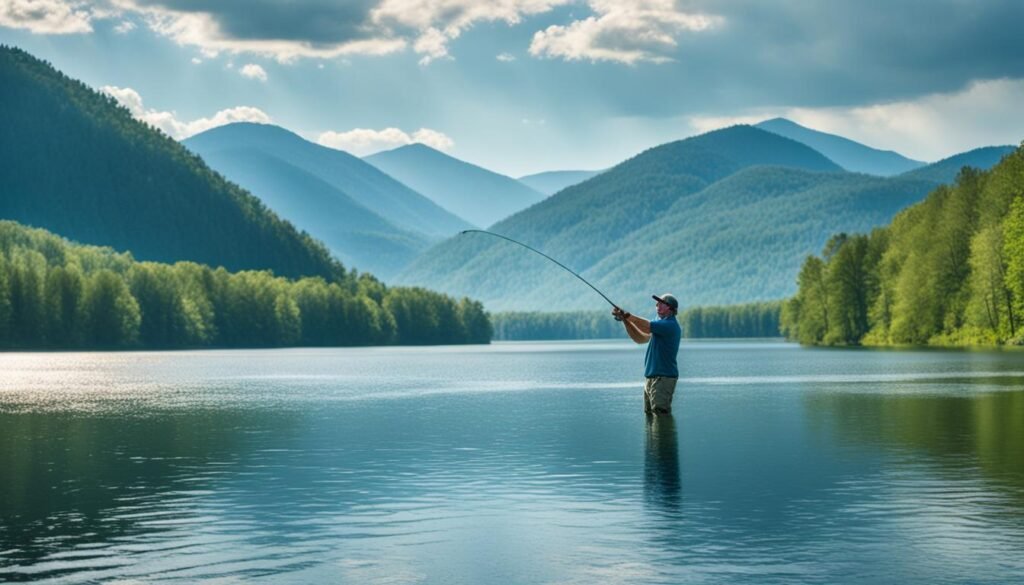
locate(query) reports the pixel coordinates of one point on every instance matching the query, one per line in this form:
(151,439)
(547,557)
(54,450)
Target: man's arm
(638,328)
(641,324)
(634,330)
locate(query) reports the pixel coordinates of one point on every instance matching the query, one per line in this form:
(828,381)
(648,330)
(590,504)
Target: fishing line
(564,267)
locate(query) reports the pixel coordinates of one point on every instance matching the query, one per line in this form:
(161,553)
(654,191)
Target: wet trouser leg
(658,392)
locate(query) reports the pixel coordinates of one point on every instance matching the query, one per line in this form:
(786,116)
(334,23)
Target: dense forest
(59,295)
(947,271)
(749,320)
(78,164)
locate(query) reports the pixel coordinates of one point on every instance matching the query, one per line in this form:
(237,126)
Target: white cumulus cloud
(623,31)
(506,57)
(364,141)
(426,26)
(432,44)
(253,71)
(437,22)
(930,128)
(46,16)
(169,123)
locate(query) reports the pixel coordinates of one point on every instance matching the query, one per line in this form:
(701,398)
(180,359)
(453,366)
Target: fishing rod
(564,267)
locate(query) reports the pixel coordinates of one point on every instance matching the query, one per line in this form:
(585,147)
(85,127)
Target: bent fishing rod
(564,267)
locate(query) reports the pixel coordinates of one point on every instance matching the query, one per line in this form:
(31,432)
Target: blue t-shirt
(662,349)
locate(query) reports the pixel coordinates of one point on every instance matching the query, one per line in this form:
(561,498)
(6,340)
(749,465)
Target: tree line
(59,295)
(947,271)
(748,320)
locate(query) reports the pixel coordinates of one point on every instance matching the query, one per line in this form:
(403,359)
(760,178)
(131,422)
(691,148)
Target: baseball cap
(668,299)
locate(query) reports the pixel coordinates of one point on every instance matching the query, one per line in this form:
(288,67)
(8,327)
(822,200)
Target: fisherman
(662,336)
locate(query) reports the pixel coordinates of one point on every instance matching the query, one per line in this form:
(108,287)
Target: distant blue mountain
(366,218)
(355,235)
(852,156)
(552,182)
(475,194)
(361,181)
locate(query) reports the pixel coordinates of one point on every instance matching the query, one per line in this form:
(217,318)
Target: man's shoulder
(665,324)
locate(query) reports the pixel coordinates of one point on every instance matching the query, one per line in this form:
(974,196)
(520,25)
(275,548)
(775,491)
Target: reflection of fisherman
(661,463)
(660,364)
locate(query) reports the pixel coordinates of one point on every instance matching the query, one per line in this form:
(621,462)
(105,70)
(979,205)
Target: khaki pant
(658,393)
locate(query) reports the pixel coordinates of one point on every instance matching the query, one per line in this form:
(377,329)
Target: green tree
(1013,250)
(991,303)
(475,322)
(806,317)
(111,314)
(288,320)
(27,273)
(64,291)
(154,287)
(847,289)
(6,335)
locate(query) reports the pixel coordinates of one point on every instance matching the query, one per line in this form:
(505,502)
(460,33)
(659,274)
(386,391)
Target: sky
(525,86)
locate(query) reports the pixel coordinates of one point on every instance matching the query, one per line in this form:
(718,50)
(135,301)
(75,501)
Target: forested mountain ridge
(363,182)
(473,193)
(852,156)
(358,236)
(743,238)
(77,163)
(946,271)
(585,223)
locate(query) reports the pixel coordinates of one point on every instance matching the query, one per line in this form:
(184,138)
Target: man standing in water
(662,337)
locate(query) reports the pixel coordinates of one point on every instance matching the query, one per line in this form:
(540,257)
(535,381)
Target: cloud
(432,44)
(623,31)
(282,31)
(124,27)
(53,17)
(364,141)
(287,31)
(506,57)
(933,127)
(171,125)
(436,22)
(253,71)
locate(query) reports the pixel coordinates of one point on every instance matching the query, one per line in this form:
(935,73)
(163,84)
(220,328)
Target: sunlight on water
(513,463)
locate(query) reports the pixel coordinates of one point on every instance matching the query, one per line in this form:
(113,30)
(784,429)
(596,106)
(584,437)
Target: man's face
(664,310)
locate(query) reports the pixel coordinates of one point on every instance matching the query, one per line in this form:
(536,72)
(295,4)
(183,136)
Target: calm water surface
(513,463)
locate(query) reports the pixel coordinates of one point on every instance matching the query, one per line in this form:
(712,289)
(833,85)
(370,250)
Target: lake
(515,463)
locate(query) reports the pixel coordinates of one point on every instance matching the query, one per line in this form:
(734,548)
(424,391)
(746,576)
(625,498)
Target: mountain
(850,155)
(76,163)
(743,238)
(478,195)
(362,182)
(358,236)
(552,182)
(946,170)
(589,222)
